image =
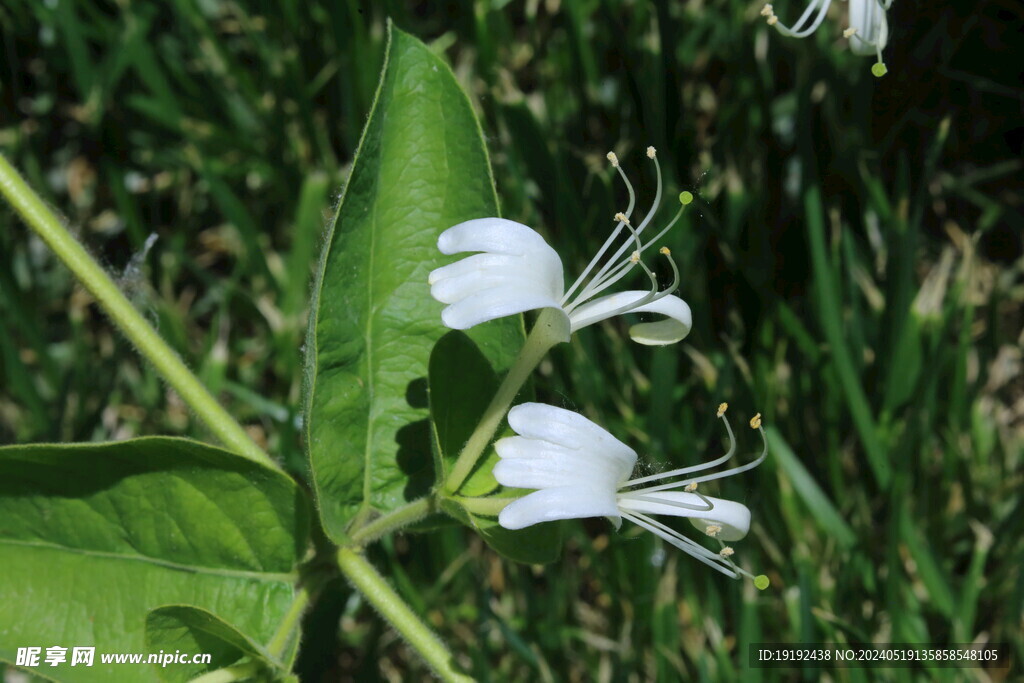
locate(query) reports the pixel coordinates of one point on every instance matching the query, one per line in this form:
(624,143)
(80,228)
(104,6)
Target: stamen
(722,407)
(850,32)
(821,6)
(651,152)
(621,217)
(635,258)
(614,159)
(755,422)
(687,545)
(712,530)
(718,475)
(692,468)
(727,552)
(690,488)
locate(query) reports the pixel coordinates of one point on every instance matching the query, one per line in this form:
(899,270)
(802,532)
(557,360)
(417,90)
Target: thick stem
(552,327)
(394,520)
(35,213)
(372,585)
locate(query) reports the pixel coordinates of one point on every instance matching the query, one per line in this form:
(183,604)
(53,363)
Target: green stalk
(40,218)
(385,600)
(395,520)
(552,327)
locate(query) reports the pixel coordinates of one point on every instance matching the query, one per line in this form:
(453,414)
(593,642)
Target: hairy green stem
(40,218)
(488,505)
(395,520)
(385,600)
(552,327)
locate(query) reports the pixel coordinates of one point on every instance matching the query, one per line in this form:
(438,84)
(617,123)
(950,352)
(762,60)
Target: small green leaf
(462,383)
(421,168)
(185,629)
(93,537)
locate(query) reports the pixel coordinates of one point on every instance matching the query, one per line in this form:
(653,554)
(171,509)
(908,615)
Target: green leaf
(462,383)
(421,167)
(181,628)
(95,536)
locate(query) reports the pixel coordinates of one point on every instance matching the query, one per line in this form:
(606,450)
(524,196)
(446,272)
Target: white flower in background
(868,30)
(580,470)
(517,271)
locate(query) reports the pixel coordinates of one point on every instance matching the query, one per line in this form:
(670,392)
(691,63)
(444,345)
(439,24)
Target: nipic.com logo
(86,656)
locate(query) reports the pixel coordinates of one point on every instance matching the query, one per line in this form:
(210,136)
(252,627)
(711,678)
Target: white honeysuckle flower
(580,470)
(868,31)
(516,271)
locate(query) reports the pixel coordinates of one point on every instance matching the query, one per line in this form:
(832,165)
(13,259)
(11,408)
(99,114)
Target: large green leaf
(462,383)
(95,536)
(421,167)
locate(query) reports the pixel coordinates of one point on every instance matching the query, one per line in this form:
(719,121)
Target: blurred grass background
(854,267)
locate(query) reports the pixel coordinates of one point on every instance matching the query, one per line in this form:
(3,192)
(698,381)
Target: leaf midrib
(269,577)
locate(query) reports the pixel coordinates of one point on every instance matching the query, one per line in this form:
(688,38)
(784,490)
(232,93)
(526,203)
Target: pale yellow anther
(722,407)
(755,422)
(690,488)
(621,217)
(850,32)
(665,250)
(614,159)
(651,152)
(727,552)
(772,20)
(767,11)
(712,530)
(634,257)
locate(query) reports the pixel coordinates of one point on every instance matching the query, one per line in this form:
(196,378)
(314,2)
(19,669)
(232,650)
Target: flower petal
(516,272)
(868,17)
(488,304)
(495,236)
(572,468)
(565,502)
(668,331)
(733,517)
(571,430)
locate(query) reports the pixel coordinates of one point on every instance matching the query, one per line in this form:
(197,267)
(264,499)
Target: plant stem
(395,520)
(391,606)
(552,327)
(489,506)
(42,220)
(307,592)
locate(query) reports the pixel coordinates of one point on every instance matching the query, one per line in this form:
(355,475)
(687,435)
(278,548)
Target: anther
(772,20)
(850,32)
(665,250)
(767,11)
(651,152)
(635,257)
(712,530)
(755,422)
(727,552)
(622,218)
(722,408)
(690,488)
(614,159)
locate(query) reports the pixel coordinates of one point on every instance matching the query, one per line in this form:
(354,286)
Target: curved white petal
(488,304)
(868,17)
(573,431)
(495,236)
(565,502)
(575,468)
(672,329)
(733,517)
(516,272)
